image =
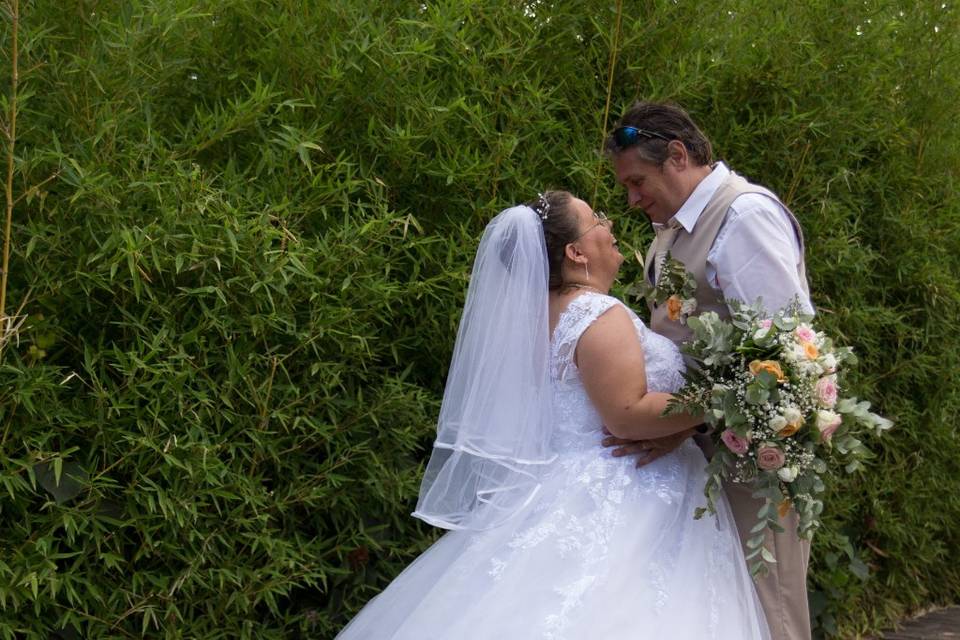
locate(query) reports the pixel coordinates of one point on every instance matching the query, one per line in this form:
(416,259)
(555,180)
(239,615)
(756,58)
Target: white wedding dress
(604,551)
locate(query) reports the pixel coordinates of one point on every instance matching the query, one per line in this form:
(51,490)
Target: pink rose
(764,329)
(734,442)
(770,458)
(826,391)
(806,334)
(827,423)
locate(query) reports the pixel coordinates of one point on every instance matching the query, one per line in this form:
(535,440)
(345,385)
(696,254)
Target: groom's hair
(664,122)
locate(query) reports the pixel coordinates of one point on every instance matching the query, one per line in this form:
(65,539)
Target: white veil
(496,421)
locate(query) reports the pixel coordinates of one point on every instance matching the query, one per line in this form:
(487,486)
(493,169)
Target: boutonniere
(676,287)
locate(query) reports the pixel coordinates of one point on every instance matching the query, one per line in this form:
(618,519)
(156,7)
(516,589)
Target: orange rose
(811,350)
(771,366)
(674,307)
(789,430)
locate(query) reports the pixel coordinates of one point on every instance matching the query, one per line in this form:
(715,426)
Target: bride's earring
(587,269)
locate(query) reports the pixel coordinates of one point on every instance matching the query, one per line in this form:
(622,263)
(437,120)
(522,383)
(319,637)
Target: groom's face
(657,189)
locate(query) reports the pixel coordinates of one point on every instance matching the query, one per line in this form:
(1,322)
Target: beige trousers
(783,592)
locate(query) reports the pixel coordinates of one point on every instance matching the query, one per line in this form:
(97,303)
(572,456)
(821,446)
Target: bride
(551,537)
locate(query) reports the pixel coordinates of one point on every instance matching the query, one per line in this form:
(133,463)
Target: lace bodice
(662,359)
(575,413)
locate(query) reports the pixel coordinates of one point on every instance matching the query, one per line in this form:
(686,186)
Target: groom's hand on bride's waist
(646,451)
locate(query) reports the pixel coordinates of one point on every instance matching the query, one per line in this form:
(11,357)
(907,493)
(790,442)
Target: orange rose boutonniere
(675,288)
(674,307)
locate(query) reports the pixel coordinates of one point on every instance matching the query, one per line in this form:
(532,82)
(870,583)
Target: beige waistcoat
(692,249)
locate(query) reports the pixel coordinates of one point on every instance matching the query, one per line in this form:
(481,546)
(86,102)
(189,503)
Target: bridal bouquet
(770,389)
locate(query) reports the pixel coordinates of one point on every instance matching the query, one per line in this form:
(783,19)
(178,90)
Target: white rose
(826,418)
(795,353)
(827,423)
(829,362)
(792,415)
(788,474)
(812,367)
(778,423)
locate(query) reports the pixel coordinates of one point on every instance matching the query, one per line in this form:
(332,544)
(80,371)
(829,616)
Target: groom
(740,242)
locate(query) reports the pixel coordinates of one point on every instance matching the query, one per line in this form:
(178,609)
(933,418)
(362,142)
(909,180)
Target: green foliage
(244,275)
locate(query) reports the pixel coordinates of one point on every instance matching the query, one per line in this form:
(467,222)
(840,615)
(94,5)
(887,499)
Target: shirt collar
(690,212)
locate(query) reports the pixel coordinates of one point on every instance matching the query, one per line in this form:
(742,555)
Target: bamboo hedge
(240,237)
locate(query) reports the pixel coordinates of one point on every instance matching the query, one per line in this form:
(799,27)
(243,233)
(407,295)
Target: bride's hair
(559,229)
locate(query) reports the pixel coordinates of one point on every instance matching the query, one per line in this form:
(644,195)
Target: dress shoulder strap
(574,320)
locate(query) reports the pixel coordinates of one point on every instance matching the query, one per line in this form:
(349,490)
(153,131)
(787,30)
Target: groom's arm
(756,255)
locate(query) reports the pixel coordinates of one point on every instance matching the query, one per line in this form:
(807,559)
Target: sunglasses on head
(629,136)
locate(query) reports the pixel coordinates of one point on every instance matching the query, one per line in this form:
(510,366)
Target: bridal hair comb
(542,207)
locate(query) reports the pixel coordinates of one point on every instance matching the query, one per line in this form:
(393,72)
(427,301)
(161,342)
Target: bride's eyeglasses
(602,220)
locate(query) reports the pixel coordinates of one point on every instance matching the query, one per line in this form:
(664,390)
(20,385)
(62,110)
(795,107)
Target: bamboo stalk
(11,133)
(614,54)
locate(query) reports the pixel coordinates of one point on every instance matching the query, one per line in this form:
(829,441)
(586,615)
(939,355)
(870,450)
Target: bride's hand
(646,450)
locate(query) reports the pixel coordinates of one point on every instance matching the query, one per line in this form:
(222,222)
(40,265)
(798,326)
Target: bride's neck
(584,286)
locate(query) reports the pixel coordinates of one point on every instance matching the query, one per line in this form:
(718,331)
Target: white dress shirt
(756,253)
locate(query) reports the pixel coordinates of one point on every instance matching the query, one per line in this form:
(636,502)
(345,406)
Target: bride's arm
(610,359)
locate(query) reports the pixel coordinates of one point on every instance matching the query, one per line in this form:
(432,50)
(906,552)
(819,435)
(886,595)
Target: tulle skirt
(604,552)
